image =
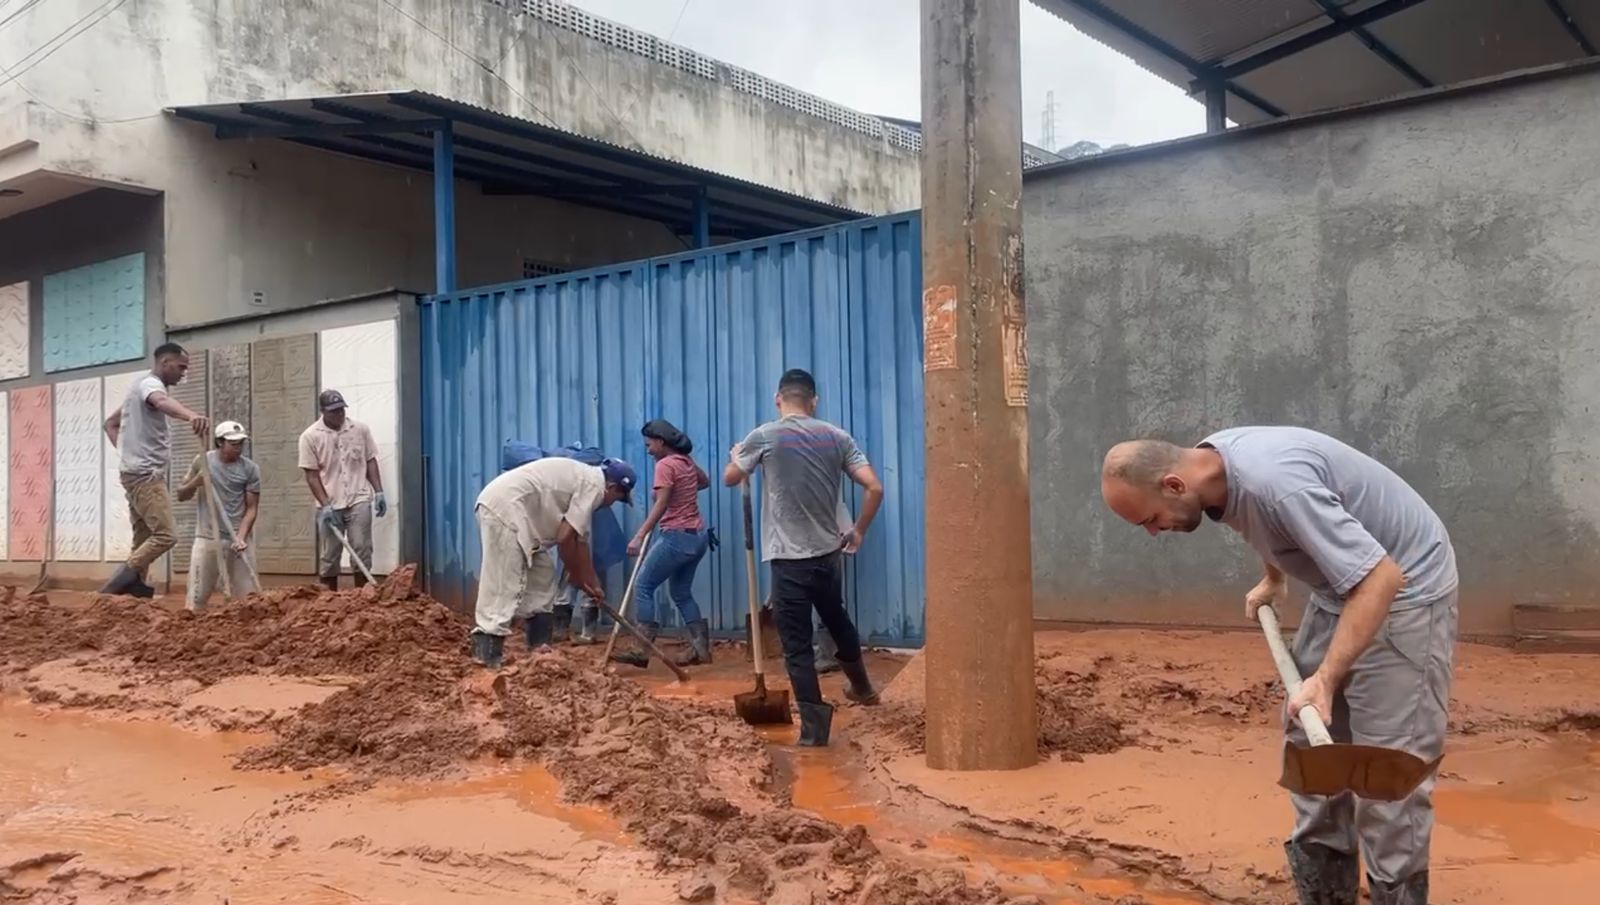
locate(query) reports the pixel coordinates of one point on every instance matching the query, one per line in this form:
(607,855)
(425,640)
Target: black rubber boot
(488,650)
(140,589)
(331,584)
(1413,890)
(538,629)
(640,655)
(121,581)
(563,623)
(359,579)
(860,689)
(815,721)
(589,626)
(699,644)
(1323,876)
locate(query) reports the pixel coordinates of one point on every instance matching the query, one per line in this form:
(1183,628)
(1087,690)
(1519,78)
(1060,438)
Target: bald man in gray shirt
(1377,638)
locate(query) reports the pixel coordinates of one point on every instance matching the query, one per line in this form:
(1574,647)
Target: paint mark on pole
(939,328)
(1014,352)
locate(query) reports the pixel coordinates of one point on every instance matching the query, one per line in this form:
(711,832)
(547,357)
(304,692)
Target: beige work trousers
(511,583)
(1396,696)
(205,574)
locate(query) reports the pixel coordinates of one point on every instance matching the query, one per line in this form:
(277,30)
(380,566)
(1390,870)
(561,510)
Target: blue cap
(620,473)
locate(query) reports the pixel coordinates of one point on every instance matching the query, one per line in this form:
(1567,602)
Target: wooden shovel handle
(1316,728)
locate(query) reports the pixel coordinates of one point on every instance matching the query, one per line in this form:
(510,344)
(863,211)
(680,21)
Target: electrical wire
(15,76)
(17,13)
(104,9)
(678,21)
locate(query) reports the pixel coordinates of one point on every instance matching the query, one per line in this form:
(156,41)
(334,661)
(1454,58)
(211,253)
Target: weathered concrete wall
(1419,281)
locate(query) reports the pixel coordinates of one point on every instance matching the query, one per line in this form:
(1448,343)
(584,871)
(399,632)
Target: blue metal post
(702,220)
(444,209)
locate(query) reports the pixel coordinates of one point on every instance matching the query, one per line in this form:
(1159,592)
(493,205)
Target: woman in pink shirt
(677,550)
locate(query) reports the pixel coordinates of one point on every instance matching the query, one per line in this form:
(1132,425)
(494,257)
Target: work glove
(327,516)
(380,506)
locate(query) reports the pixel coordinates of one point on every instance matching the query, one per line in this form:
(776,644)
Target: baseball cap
(330,401)
(621,474)
(230,430)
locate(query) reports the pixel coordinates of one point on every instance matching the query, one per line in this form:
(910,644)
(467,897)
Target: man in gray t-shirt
(236,483)
(804,530)
(1376,642)
(138,429)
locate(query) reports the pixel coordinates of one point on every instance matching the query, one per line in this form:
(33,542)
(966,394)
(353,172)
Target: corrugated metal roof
(510,155)
(1282,57)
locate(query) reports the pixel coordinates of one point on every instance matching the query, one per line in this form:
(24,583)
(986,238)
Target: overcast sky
(864,54)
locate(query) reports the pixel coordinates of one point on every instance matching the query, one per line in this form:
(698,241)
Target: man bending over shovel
(522,513)
(1377,637)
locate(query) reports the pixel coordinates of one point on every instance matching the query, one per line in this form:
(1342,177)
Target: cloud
(867,56)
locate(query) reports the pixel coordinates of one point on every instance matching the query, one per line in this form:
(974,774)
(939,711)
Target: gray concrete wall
(1420,281)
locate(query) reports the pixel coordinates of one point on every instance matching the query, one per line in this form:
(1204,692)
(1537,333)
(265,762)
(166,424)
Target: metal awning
(508,155)
(1269,58)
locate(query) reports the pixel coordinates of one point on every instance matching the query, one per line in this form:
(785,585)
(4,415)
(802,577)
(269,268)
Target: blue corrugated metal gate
(700,339)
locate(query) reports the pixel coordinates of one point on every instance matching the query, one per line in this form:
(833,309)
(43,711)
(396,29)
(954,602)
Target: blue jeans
(674,555)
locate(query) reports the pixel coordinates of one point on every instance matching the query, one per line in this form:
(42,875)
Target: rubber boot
(815,721)
(563,623)
(538,629)
(1323,876)
(640,655)
(588,626)
(699,644)
(1413,890)
(121,581)
(331,584)
(359,579)
(140,589)
(488,650)
(860,689)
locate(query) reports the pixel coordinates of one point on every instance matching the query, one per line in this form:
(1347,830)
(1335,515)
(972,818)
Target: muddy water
(116,811)
(1537,803)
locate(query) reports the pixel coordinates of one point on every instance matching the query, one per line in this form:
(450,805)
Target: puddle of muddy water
(531,786)
(1543,806)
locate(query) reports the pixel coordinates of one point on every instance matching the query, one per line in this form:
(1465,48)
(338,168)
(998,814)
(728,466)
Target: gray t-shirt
(802,507)
(231,481)
(144,443)
(1326,513)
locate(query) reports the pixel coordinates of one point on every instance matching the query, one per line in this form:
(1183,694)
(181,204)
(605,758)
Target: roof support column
(702,219)
(980,712)
(1216,108)
(444,209)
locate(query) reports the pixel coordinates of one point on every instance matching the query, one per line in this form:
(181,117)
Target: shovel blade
(762,707)
(1377,774)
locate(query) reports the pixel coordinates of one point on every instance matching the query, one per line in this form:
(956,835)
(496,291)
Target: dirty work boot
(815,721)
(488,650)
(699,644)
(538,629)
(140,589)
(588,625)
(331,584)
(563,623)
(121,581)
(1323,876)
(640,655)
(860,689)
(359,579)
(1413,890)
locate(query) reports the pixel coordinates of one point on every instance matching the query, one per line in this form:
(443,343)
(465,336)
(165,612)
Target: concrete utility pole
(980,713)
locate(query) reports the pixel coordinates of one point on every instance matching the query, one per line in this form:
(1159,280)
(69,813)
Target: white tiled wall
(13,331)
(361,363)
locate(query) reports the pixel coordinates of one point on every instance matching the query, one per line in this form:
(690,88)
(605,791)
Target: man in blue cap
(522,514)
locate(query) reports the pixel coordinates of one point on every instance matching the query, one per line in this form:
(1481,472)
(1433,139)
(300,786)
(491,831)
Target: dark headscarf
(663,430)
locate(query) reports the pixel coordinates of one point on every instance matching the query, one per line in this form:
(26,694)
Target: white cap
(230,430)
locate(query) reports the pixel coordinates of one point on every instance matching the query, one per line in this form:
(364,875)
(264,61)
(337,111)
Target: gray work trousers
(356,523)
(1396,696)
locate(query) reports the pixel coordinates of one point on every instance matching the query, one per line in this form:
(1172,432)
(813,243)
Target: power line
(678,21)
(12,76)
(17,14)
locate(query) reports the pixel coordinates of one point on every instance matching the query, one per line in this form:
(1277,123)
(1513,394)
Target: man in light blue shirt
(1376,642)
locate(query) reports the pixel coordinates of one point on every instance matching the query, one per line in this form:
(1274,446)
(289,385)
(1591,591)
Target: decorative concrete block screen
(31,438)
(118,538)
(13,331)
(79,471)
(94,314)
(283,402)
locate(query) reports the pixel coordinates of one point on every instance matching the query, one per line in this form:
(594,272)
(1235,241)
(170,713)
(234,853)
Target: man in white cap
(523,514)
(340,460)
(236,482)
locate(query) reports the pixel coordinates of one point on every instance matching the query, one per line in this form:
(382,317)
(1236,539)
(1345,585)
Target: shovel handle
(1316,729)
(627,597)
(750,580)
(621,620)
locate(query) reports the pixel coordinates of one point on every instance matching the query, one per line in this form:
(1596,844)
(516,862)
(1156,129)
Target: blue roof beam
(1571,25)
(1336,29)
(332,130)
(1381,50)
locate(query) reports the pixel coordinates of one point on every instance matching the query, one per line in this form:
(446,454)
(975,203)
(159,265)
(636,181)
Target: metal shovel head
(1378,774)
(763,707)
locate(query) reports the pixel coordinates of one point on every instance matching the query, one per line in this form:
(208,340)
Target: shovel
(759,706)
(627,597)
(354,558)
(617,617)
(220,517)
(1329,768)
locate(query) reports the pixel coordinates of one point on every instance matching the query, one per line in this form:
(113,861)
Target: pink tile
(32,439)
